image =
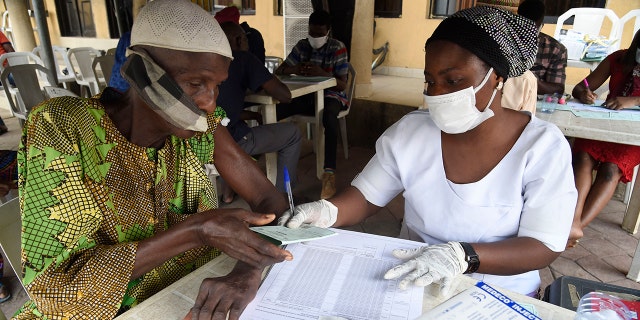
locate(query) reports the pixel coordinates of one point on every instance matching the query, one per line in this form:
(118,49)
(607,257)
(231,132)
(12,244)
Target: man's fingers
(258,219)
(220,313)
(235,312)
(188,316)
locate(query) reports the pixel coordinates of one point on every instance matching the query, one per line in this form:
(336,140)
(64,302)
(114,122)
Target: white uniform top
(529,193)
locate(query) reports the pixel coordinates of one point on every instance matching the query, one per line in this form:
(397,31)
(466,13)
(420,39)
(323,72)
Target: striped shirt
(332,58)
(551,60)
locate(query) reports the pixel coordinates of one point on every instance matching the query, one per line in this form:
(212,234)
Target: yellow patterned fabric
(88,195)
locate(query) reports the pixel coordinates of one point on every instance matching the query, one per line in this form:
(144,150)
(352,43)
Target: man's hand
(439,263)
(228,294)
(227,230)
(321,214)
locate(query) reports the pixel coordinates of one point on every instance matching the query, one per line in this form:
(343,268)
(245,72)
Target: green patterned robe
(88,195)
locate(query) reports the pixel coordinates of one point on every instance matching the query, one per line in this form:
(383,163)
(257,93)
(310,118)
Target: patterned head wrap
(179,25)
(505,41)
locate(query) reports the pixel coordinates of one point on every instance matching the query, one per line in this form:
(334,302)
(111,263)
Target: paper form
(337,276)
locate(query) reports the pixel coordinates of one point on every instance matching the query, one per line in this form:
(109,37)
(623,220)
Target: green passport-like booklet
(281,235)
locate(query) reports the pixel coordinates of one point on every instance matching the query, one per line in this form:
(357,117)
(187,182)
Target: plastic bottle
(598,305)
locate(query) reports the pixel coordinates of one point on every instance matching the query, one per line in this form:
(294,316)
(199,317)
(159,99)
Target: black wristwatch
(471,257)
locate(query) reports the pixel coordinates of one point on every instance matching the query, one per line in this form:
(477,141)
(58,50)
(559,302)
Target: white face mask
(456,112)
(638,55)
(318,42)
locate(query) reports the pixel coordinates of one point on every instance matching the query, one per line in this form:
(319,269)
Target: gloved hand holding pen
(321,214)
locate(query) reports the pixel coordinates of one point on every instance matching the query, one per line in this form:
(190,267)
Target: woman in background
(613,162)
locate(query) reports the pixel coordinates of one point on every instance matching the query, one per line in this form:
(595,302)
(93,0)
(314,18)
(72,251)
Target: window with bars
(75,18)
(387,9)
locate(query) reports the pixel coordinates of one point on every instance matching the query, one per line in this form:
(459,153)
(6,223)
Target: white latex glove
(439,263)
(321,214)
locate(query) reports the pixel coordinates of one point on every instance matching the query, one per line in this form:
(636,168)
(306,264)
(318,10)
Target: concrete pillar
(361,46)
(21,26)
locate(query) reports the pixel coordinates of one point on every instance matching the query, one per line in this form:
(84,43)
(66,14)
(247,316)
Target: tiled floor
(604,254)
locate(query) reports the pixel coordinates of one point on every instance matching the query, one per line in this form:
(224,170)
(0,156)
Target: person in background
(117,81)
(5,46)
(254,37)
(115,201)
(488,189)
(613,162)
(246,72)
(551,59)
(320,55)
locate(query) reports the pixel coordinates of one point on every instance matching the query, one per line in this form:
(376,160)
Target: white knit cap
(179,25)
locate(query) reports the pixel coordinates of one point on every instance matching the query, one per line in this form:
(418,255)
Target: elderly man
(115,202)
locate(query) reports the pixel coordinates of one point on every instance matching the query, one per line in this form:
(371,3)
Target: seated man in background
(551,59)
(247,72)
(320,55)
(254,37)
(115,202)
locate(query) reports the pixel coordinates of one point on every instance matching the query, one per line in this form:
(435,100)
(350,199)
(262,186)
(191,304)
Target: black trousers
(305,105)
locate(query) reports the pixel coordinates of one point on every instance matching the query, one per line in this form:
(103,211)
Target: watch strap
(471,257)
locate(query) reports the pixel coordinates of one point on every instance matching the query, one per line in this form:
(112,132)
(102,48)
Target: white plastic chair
(29,79)
(589,21)
(81,60)
(350,90)
(14,59)
(102,67)
(631,15)
(272,63)
(17,58)
(63,65)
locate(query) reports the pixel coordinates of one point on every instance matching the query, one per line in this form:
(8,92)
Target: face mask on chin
(318,42)
(456,112)
(162,94)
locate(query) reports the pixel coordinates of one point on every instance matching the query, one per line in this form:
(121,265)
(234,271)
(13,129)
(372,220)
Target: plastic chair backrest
(62,62)
(589,21)
(83,58)
(631,15)
(272,63)
(105,65)
(351,83)
(17,58)
(29,79)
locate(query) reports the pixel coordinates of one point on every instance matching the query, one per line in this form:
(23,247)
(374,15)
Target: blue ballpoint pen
(287,186)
